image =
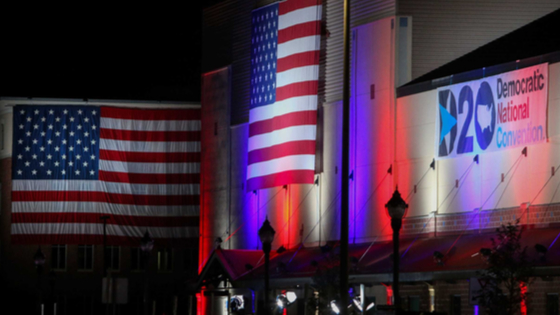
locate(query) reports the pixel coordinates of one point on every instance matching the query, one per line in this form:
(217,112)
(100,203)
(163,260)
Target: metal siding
(446,30)
(227,41)
(362,12)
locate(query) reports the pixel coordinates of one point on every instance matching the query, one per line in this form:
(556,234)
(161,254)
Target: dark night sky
(131,53)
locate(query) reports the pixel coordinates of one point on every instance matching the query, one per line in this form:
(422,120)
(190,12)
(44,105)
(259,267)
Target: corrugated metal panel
(445,30)
(227,41)
(362,12)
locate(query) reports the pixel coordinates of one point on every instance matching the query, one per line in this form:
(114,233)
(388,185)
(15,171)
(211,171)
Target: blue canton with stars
(56,142)
(264,55)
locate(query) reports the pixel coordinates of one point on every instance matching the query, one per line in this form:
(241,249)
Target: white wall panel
(372,125)
(362,12)
(464,198)
(417,109)
(417,173)
(373,56)
(330,178)
(215,138)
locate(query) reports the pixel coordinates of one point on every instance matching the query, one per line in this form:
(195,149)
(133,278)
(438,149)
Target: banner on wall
(496,113)
(286,44)
(72,165)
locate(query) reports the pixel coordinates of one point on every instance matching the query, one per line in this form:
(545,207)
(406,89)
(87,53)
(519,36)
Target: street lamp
(52,283)
(39,260)
(146,245)
(266,234)
(396,208)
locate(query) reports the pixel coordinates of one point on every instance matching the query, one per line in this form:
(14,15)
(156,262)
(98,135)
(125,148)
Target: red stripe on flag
(280,122)
(63,217)
(280,179)
(160,136)
(289,6)
(308,58)
(173,157)
(281,150)
(297,89)
(46,239)
(299,30)
(150,114)
(136,178)
(95,196)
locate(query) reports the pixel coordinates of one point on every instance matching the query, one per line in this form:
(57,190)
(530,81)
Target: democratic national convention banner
(496,113)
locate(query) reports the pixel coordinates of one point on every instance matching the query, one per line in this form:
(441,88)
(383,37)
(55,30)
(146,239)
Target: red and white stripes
(282,135)
(149,174)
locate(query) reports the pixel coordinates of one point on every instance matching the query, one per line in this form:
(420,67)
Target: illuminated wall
(386,133)
(309,214)
(479,185)
(372,137)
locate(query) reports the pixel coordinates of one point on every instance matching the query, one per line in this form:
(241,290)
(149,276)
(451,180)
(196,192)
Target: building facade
(71,279)
(397,49)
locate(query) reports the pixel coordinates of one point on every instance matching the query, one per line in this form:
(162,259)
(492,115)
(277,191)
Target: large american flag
(73,164)
(286,40)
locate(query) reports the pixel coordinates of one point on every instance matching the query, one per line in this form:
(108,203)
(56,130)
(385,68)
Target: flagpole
(345,197)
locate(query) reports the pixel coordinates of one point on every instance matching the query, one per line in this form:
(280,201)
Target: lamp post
(396,208)
(146,245)
(266,234)
(52,283)
(39,260)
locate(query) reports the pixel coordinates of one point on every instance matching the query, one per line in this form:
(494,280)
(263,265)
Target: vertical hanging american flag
(73,164)
(286,40)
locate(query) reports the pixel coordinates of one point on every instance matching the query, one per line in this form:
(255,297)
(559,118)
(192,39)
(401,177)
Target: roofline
(476,74)
(7,103)
(388,277)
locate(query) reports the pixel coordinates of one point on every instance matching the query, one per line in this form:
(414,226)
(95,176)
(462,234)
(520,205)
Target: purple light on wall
(476,310)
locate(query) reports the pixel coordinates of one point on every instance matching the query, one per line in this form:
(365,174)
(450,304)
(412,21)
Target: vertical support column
(344,210)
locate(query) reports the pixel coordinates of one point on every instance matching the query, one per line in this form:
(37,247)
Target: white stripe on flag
(103,207)
(299,45)
(150,125)
(97,229)
(291,105)
(149,146)
(109,187)
(300,74)
(149,168)
(287,163)
(303,15)
(296,133)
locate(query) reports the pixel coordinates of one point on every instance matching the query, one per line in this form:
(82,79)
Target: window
(58,257)
(190,260)
(112,257)
(136,259)
(85,257)
(414,303)
(2,139)
(165,259)
(455,305)
(552,304)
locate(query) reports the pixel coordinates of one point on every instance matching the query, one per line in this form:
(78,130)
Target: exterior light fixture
(334,307)
(396,207)
(236,303)
(266,234)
